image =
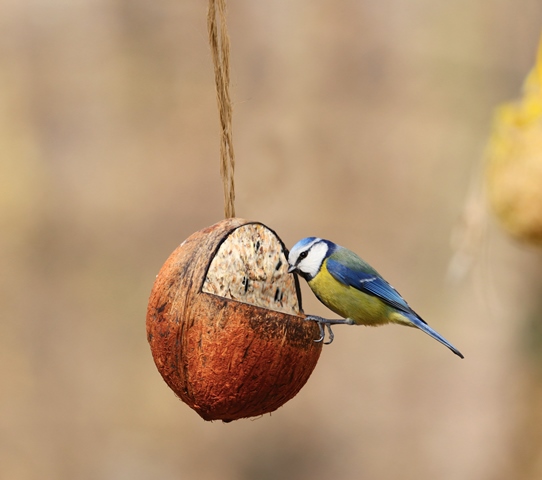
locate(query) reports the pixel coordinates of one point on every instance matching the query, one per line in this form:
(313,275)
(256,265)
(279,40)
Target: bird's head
(307,255)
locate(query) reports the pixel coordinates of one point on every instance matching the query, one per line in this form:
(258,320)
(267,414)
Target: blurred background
(360,121)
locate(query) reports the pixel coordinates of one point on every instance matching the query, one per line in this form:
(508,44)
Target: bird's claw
(322,332)
(322,324)
(330,337)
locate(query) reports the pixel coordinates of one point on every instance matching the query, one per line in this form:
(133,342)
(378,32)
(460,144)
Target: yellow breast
(347,301)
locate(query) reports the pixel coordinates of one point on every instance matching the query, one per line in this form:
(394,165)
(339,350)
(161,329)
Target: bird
(353,289)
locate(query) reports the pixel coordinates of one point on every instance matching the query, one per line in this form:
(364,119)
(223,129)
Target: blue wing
(368,282)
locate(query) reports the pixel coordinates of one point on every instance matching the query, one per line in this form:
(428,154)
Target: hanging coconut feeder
(224,319)
(225,323)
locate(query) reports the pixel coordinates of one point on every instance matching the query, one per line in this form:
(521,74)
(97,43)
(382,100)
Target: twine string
(220,48)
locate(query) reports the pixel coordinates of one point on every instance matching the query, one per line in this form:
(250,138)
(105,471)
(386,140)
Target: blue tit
(350,287)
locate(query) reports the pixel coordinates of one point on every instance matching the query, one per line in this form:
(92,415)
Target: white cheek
(312,263)
(310,266)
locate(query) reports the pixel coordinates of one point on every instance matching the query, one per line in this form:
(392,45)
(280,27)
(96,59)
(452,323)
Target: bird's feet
(324,323)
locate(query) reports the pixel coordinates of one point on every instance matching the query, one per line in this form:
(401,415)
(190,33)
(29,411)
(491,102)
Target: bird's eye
(302,255)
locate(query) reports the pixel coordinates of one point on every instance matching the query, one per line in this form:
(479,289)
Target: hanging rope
(220,48)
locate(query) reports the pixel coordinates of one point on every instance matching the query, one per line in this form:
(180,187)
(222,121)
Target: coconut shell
(224,357)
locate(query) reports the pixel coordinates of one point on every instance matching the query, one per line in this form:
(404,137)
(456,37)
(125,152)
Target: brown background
(359,121)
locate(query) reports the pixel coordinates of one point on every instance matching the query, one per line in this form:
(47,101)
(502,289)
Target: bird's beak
(291,269)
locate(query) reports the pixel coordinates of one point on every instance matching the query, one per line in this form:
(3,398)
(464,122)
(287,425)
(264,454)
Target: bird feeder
(514,162)
(225,323)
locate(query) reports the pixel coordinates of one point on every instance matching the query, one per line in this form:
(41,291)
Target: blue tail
(419,323)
